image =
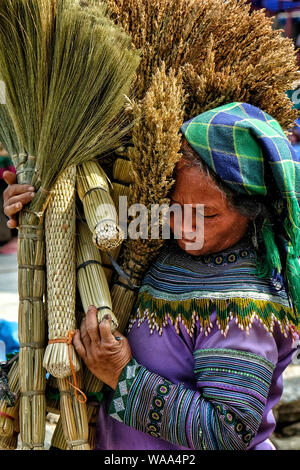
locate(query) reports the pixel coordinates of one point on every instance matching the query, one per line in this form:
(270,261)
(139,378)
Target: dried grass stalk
(228,53)
(99,209)
(58,440)
(91,279)
(60,227)
(10,442)
(157,142)
(122,171)
(73,416)
(31,324)
(122,179)
(9,415)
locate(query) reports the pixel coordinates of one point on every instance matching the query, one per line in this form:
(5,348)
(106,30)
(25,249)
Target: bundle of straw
(153,158)
(91,279)
(121,181)
(99,209)
(227,52)
(9,415)
(60,227)
(73,416)
(58,440)
(60,357)
(10,442)
(64,109)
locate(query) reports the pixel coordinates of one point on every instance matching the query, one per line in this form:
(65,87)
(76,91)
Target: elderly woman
(213,327)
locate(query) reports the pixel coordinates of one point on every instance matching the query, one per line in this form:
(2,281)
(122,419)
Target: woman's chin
(192,248)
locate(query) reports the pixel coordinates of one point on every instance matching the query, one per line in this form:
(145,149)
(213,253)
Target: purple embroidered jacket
(200,392)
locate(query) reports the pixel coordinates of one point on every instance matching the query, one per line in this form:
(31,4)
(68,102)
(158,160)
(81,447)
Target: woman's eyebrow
(207,207)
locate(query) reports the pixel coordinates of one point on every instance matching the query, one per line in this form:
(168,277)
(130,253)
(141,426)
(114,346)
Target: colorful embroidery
(184,290)
(118,404)
(228,376)
(224,414)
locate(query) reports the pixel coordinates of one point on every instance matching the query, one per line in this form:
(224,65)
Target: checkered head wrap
(249,151)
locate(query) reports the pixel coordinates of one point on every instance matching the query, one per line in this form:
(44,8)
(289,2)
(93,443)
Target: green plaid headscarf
(249,151)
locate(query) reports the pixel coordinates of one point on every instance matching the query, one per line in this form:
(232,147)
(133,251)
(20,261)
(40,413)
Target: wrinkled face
(224,226)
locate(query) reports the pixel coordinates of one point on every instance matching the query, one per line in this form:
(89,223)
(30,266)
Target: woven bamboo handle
(61,276)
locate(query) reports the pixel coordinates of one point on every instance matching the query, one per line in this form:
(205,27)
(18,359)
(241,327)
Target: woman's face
(224,226)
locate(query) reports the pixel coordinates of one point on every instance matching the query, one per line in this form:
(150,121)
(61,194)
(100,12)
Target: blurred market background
(286,16)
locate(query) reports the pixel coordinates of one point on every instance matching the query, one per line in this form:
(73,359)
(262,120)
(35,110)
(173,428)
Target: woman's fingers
(17,189)
(13,209)
(12,223)
(9,177)
(24,198)
(92,325)
(105,330)
(84,334)
(15,197)
(78,345)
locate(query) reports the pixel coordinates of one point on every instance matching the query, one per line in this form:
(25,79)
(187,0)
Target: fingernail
(31,188)
(32,195)
(19,205)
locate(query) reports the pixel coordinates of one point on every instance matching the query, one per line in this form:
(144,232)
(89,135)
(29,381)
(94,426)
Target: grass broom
(60,357)
(63,107)
(60,228)
(100,213)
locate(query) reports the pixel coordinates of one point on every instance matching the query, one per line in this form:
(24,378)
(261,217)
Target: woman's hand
(15,197)
(102,353)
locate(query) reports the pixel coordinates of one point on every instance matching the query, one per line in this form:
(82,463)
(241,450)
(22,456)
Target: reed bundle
(122,171)
(60,228)
(9,415)
(65,110)
(121,180)
(100,212)
(58,440)
(60,357)
(226,52)
(73,416)
(10,442)
(91,279)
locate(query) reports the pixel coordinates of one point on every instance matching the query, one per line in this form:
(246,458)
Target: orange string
(6,416)
(69,341)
